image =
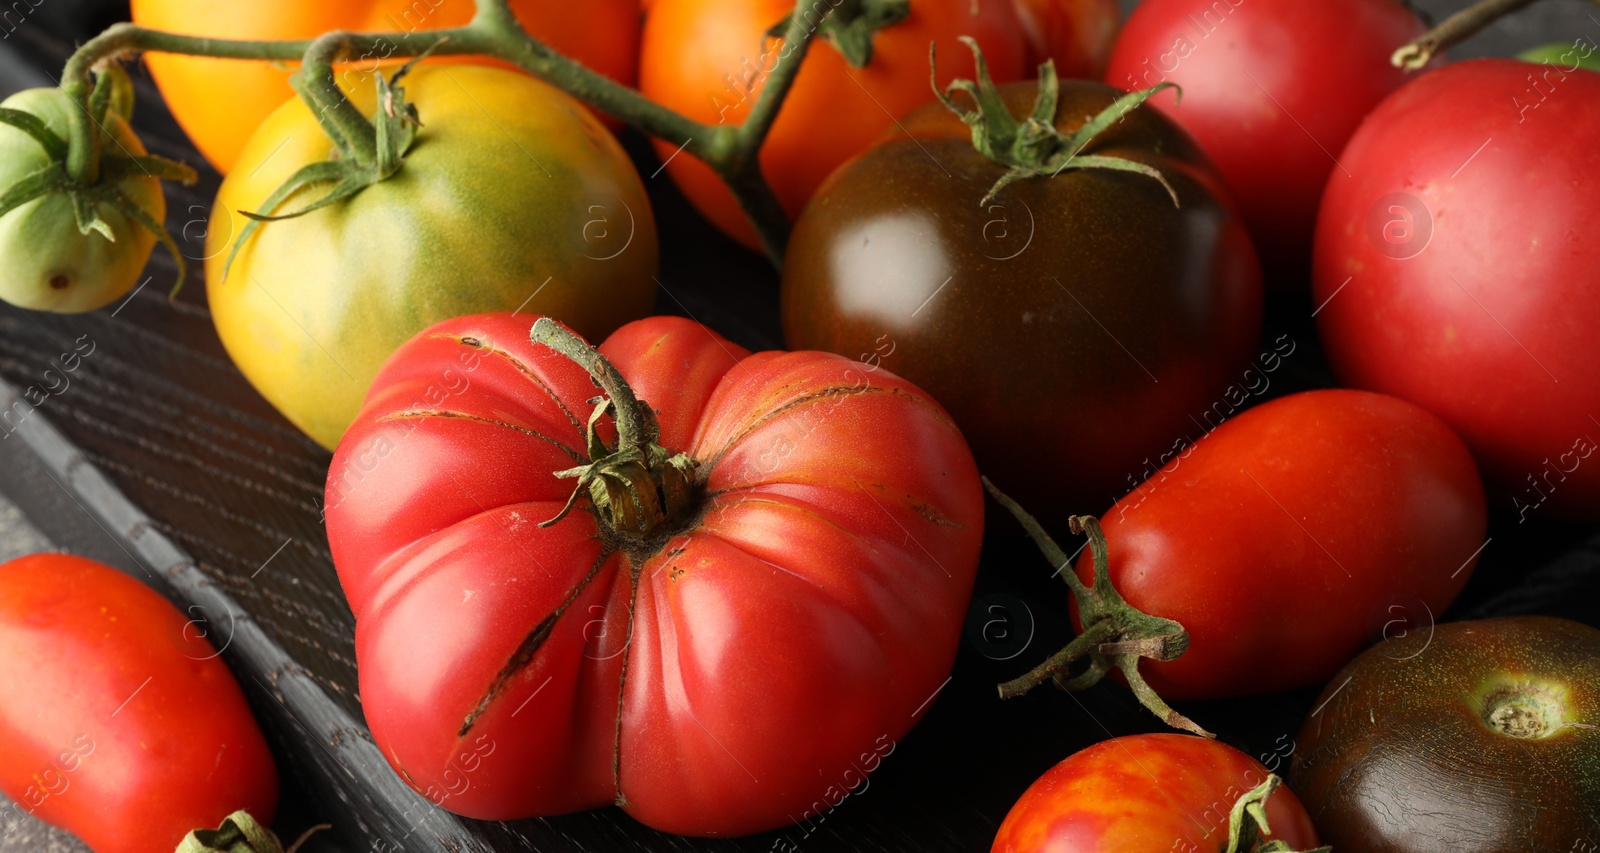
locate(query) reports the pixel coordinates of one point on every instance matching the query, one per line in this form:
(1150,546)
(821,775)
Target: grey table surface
(1552,21)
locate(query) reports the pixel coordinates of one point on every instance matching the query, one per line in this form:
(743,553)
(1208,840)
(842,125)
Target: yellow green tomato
(47,262)
(512,197)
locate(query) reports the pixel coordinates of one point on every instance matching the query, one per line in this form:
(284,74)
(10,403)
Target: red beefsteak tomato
(709,639)
(118,721)
(1457,268)
(1284,539)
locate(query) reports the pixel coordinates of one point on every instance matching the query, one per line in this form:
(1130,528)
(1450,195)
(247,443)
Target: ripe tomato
(1270,96)
(46,263)
(1073,324)
(1473,737)
(1283,537)
(118,721)
(1152,793)
(708,59)
(1446,281)
(778,629)
(1076,34)
(220,102)
(512,196)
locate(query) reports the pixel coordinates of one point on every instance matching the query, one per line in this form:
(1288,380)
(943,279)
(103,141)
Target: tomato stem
(731,151)
(240,832)
(1115,633)
(1453,30)
(1247,823)
(638,486)
(1034,147)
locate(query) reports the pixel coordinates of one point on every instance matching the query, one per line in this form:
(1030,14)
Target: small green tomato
(70,249)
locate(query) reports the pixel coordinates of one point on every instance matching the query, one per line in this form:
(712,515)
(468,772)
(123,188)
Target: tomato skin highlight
(220,102)
(118,721)
(1405,759)
(1149,793)
(504,201)
(705,59)
(1270,96)
(787,629)
(1462,291)
(1279,539)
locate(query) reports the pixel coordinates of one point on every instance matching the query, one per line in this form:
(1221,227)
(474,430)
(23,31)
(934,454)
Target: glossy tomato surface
(118,721)
(1271,94)
(1282,539)
(724,678)
(513,196)
(1472,737)
(1151,793)
(220,102)
(708,59)
(1075,34)
(1459,264)
(1073,325)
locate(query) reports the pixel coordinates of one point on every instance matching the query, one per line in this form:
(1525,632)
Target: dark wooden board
(160,458)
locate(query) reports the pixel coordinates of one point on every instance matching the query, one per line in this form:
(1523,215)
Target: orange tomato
(220,102)
(1077,34)
(708,59)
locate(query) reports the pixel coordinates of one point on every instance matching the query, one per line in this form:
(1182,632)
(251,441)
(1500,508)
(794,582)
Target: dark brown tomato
(1072,325)
(1476,737)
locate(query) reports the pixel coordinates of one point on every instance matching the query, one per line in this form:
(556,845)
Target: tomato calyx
(241,833)
(1115,633)
(1247,823)
(1034,147)
(349,170)
(849,25)
(639,488)
(112,94)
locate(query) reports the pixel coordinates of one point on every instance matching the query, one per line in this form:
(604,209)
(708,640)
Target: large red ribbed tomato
(723,638)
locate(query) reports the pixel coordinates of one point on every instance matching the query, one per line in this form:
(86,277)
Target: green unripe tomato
(46,263)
